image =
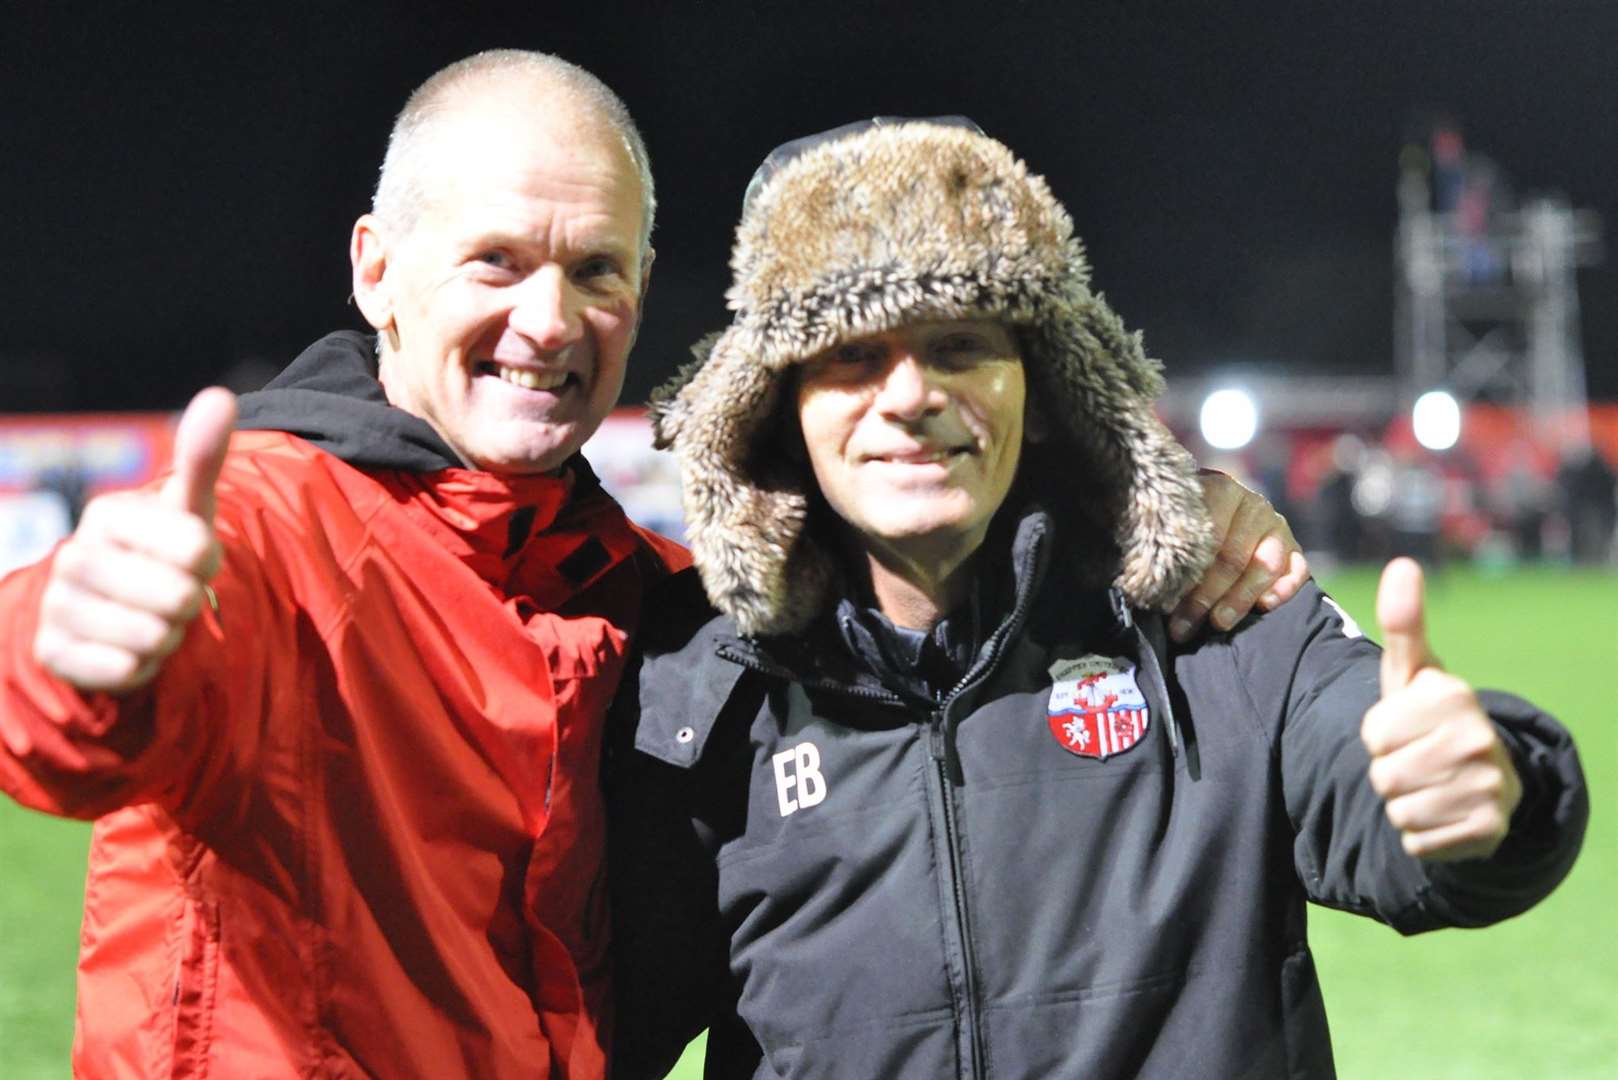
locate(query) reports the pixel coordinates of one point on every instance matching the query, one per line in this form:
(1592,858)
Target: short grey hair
(401,194)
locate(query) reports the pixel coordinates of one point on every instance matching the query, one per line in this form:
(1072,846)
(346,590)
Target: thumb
(1401,613)
(199,451)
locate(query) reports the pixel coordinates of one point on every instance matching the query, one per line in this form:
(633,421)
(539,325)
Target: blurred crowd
(1500,496)
(1353,498)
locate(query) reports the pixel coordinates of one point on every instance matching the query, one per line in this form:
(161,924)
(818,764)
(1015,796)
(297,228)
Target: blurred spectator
(1587,490)
(1523,498)
(1338,528)
(1470,189)
(1272,454)
(1483,195)
(1415,509)
(1449,166)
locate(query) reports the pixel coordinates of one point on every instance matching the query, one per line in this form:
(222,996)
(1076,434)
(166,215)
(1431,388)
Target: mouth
(528,378)
(923,456)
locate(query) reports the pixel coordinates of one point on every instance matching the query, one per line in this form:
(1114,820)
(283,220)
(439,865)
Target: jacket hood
(330,397)
(886,223)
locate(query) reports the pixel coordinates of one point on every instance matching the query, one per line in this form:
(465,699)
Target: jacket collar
(330,397)
(1041,587)
(483,519)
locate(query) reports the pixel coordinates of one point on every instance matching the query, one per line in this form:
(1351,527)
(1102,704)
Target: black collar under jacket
(920,664)
(330,396)
(1026,586)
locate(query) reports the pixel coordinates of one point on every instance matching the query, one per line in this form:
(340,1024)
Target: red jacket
(354,828)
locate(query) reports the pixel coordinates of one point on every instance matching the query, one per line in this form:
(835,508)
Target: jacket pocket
(1303,1019)
(196,983)
(674,727)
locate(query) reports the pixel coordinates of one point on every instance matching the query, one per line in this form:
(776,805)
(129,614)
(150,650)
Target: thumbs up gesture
(1447,781)
(130,579)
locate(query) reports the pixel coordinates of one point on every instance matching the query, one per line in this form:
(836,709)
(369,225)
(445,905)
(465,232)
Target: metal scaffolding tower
(1493,312)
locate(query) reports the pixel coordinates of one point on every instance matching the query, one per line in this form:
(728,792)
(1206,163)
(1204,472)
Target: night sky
(179,180)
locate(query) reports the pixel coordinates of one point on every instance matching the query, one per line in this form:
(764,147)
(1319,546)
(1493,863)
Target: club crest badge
(1096,708)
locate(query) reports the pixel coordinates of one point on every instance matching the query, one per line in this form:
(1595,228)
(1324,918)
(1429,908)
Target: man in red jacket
(335,696)
(334,690)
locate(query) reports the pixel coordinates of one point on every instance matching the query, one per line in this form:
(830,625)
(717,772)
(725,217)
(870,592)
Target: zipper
(947,762)
(944,760)
(1032,566)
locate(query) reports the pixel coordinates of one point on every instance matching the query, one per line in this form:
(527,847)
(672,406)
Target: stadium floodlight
(1436,420)
(1229,419)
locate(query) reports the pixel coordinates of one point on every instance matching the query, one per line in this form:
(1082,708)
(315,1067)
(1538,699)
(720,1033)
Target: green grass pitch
(1536,996)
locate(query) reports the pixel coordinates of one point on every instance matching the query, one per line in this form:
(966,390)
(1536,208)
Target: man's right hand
(130,579)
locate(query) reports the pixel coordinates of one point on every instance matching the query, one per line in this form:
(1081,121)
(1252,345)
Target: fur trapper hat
(890,222)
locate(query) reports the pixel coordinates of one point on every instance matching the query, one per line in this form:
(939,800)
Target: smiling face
(508,309)
(914,435)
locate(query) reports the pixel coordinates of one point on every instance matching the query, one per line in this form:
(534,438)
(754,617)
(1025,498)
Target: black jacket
(945,889)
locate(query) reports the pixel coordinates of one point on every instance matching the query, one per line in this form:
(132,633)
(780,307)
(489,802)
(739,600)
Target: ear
(640,301)
(646,273)
(368,254)
(646,282)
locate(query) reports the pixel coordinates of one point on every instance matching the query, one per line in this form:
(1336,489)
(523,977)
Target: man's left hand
(1258,561)
(1446,779)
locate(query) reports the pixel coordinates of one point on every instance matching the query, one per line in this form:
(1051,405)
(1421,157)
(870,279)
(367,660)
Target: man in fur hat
(933,794)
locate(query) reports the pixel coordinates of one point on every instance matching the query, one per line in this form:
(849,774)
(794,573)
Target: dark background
(179,179)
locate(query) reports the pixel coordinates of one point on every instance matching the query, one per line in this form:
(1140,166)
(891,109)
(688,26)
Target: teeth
(531,380)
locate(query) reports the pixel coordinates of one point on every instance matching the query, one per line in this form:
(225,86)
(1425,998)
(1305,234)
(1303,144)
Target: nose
(909,390)
(545,311)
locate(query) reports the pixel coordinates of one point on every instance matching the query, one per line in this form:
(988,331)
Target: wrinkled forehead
(486,144)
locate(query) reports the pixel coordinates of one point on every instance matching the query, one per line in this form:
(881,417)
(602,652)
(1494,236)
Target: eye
(963,342)
(958,350)
(850,362)
(495,257)
(854,354)
(597,268)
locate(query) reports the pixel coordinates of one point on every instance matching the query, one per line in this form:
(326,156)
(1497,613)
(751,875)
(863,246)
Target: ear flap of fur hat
(746,498)
(897,223)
